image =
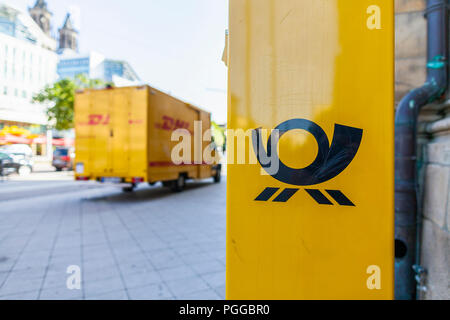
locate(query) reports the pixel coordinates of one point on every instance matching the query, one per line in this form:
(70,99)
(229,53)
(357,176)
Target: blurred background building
(27,64)
(42,16)
(93,65)
(32,57)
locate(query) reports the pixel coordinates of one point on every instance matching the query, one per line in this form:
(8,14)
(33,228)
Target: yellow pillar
(321,226)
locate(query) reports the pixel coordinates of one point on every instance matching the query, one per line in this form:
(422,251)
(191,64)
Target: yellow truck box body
(126,134)
(321,72)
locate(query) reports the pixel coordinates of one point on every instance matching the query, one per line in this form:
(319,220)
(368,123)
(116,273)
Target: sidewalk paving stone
(151,244)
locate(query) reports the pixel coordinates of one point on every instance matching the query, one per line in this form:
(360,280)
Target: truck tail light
(137,180)
(82,178)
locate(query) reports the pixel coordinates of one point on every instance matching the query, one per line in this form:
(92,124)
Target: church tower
(41,15)
(68,36)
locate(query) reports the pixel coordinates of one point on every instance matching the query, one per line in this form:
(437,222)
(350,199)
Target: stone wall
(434,149)
(410,44)
(436,207)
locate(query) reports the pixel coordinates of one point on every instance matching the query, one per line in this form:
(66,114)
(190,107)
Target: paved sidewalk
(152,244)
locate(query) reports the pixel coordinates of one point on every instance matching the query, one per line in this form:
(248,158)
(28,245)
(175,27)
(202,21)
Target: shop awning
(12,139)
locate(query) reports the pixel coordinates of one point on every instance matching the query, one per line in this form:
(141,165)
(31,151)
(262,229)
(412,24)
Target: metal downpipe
(406,216)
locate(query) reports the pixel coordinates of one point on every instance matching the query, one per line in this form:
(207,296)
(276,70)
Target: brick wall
(434,149)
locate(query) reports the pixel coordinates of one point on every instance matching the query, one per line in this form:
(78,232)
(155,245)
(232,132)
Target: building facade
(27,64)
(433,152)
(92,65)
(96,66)
(113,69)
(30,59)
(71,64)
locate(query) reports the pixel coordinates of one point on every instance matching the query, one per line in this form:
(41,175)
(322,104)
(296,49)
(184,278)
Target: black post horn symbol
(330,160)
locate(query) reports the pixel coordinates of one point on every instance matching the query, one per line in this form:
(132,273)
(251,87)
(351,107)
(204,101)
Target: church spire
(68,23)
(68,36)
(41,15)
(41,4)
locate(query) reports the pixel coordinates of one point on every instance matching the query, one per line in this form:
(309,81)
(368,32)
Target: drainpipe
(406,217)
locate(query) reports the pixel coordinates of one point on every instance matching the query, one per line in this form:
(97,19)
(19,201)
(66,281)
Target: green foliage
(219,134)
(61,95)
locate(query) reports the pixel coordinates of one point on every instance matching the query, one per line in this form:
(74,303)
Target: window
(5,90)
(24,94)
(14,56)
(16,92)
(61,152)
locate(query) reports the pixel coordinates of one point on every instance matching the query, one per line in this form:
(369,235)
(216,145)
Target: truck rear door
(98,121)
(111,133)
(119,113)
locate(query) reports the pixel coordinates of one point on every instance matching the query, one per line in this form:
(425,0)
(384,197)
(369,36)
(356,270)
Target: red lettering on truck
(170,124)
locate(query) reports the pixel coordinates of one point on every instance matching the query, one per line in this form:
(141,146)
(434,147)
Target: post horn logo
(331,160)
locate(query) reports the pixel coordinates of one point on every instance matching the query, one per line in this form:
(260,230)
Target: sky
(174,45)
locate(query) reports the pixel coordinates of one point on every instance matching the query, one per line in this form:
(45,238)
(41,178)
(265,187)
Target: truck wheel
(129,189)
(179,184)
(218,176)
(24,170)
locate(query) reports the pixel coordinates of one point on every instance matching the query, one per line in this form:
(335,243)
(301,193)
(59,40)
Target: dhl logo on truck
(98,119)
(171,124)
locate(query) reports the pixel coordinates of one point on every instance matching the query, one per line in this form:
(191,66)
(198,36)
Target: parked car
(7,165)
(21,155)
(24,164)
(63,158)
(22,149)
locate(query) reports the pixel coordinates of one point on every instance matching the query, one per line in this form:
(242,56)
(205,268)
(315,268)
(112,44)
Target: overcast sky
(174,45)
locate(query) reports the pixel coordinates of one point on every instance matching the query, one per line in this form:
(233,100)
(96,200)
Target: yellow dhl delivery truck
(126,136)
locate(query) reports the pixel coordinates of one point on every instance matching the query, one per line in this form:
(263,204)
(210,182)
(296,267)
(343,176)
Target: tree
(219,135)
(61,95)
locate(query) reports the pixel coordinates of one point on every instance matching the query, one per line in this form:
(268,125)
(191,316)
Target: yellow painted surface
(319,61)
(126,133)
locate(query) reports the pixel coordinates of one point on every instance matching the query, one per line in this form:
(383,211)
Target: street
(150,244)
